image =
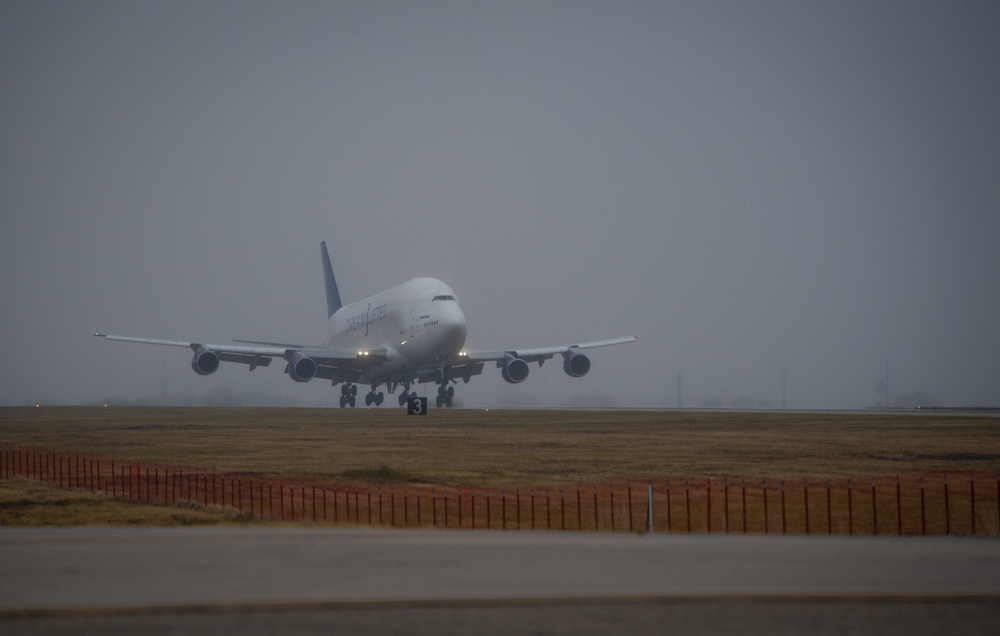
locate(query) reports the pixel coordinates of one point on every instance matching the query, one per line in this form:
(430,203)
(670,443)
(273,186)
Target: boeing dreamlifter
(414,332)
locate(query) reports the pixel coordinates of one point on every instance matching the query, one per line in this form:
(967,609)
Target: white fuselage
(418,323)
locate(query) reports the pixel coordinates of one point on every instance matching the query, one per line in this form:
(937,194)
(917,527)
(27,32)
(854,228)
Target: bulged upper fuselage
(416,323)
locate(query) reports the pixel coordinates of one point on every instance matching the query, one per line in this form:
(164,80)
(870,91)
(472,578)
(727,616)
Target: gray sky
(749,186)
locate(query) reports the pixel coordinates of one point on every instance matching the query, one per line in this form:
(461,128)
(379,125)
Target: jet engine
(301,368)
(575,364)
(515,370)
(205,362)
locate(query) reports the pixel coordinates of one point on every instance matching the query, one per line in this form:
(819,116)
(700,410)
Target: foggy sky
(752,187)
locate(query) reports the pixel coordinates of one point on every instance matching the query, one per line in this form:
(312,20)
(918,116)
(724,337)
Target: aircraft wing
(331,364)
(542,354)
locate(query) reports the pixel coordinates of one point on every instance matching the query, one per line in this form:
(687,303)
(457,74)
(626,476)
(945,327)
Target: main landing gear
(405,395)
(348,395)
(374,398)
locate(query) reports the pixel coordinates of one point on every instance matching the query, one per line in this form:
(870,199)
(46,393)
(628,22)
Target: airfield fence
(935,503)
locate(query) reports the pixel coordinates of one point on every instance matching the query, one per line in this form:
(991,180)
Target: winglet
(332,294)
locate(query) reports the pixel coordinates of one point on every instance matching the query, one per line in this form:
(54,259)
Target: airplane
(412,333)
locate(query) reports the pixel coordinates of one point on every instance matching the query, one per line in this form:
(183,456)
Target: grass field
(503,448)
(29,502)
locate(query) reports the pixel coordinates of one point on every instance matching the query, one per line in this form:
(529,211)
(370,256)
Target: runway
(368,581)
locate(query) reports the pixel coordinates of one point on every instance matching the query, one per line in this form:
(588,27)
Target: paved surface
(270,580)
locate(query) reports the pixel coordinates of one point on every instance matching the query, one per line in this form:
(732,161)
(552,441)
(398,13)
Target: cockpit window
(443,298)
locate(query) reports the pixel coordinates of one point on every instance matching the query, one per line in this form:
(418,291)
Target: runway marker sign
(416,406)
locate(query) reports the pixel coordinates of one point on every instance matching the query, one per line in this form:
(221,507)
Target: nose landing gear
(445,395)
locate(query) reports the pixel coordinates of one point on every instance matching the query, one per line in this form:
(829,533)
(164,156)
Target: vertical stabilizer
(332,294)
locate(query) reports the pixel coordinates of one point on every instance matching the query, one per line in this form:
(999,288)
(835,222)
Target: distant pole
(679,402)
(886,385)
(782,388)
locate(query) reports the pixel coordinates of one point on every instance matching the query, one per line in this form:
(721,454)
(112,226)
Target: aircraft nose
(452,328)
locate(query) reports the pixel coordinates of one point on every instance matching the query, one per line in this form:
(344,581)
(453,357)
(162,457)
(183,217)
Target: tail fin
(332,294)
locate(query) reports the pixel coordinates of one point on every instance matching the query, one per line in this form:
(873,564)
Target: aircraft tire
(343,401)
(440,401)
(450,394)
(368,399)
(354,392)
(402,399)
(378,398)
(351,399)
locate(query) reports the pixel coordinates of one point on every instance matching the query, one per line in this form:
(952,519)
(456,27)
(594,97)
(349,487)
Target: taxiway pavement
(56,577)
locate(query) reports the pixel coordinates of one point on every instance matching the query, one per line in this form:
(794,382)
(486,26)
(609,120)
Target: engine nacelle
(575,364)
(515,370)
(205,362)
(301,368)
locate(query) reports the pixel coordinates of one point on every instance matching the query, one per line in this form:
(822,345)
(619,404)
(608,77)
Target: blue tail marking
(332,293)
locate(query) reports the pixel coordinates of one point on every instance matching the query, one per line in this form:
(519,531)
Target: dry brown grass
(29,502)
(503,448)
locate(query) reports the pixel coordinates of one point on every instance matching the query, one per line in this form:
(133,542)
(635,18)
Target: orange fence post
(687,502)
(829,516)
(708,505)
(669,523)
(899,510)
(850,510)
(579,522)
(947,510)
(629,486)
(743,486)
(805,491)
(874,510)
(923,517)
(764,489)
(972,502)
(596,523)
(783,526)
(725,504)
